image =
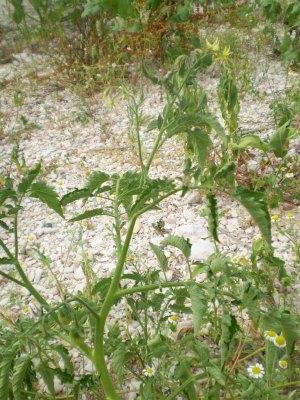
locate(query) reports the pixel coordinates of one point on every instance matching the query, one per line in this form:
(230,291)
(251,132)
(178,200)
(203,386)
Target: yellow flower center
(275,217)
(271,333)
(173,318)
(149,371)
(283,363)
(290,215)
(256,370)
(280,340)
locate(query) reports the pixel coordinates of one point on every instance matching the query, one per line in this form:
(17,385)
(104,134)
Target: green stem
(146,288)
(252,354)
(183,386)
(117,219)
(99,354)
(282,385)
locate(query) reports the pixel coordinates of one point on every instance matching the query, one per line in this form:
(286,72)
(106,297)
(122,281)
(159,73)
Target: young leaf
(24,185)
(280,140)
(5,366)
(199,141)
(96,179)
(20,371)
(229,328)
(225,171)
(74,195)
(6,261)
(47,375)
(148,75)
(199,306)
(212,214)
(118,361)
(162,259)
(89,214)
(251,141)
(177,241)
(46,195)
(64,354)
(258,209)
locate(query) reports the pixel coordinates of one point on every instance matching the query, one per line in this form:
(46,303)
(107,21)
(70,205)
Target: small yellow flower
(234,260)
(99,198)
(59,183)
(225,54)
(282,364)
(25,310)
(275,217)
(279,341)
(215,46)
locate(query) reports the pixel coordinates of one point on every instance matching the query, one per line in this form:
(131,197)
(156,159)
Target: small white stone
(167,275)
(37,275)
(79,275)
(137,226)
(202,249)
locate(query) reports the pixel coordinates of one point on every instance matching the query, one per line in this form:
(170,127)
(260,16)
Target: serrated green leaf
(27,180)
(198,142)
(180,243)
(96,179)
(225,171)
(229,329)
(150,76)
(4,225)
(118,361)
(20,370)
(217,374)
(102,287)
(74,195)
(199,306)
(5,367)
(64,354)
(6,261)
(47,375)
(257,207)
(46,195)
(212,215)
(162,259)
(89,214)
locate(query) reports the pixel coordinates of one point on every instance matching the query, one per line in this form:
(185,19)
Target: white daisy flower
(270,335)
(149,371)
(275,218)
(282,364)
(290,216)
(279,341)
(173,319)
(289,175)
(256,371)
(31,238)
